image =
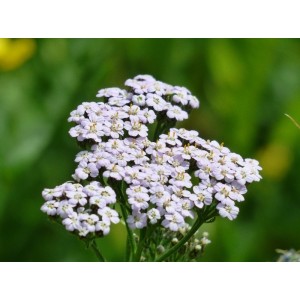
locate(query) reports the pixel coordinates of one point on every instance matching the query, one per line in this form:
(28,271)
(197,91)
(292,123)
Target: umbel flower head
(136,162)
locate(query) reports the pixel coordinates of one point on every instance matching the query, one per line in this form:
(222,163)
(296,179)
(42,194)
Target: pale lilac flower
(228,211)
(180,95)
(136,190)
(109,215)
(92,189)
(149,116)
(72,222)
(156,101)
(50,208)
(173,221)
(118,101)
(98,201)
(159,193)
(171,138)
(133,175)
(139,100)
(49,194)
(167,205)
(103,226)
(111,92)
(113,129)
(65,208)
(153,215)
(89,221)
(139,202)
(79,133)
(201,197)
(136,128)
(83,231)
(175,112)
(137,220)
(181,178)
(108,194)
(184,207)
(114,171)
(237,191)
(76,197)
(193,101)
(85,170)
(77,115)
(223,193)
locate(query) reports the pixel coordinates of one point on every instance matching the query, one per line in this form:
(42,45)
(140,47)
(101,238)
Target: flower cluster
(83,209)
(163,178)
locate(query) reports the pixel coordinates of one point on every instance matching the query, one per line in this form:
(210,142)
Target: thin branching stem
(195,227)
(97,251)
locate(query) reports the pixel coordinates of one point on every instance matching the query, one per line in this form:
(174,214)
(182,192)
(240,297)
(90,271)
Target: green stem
(157,132)
(129,233)
(128,250)
(130,244)
(195,227)
(97,251)
(143,235)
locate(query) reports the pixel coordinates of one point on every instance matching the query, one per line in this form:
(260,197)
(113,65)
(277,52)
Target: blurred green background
(245,87)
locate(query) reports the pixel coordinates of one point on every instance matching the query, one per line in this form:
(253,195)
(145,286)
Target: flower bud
(198,247)
(160,249)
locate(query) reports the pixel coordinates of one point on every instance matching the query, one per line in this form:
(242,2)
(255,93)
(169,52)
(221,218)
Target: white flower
(193,101)
(171,138)
(72,222)
(65,209)
(49,207)
(148,116)
(76,197)
(86,169)
(114,171)
(137,220)
(136,128)
(175,112)
(89,221)
(113,129)
(118,101)
(223,193)
(181,178)
(156,101)
(139,100)
(109,215)
(139,202)
(111,92)
(201,197)
(49,194)
(180,95)
(228,211)
(108,194)
(103,226)
(77,115)
(159,194)
(153,215)
(173,221)
(92,189)
(98,201)
(184,207)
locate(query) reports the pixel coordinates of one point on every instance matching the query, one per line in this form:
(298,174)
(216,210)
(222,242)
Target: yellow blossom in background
(15,52)
(276,160)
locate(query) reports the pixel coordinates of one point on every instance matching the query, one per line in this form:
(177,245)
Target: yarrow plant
(135,167)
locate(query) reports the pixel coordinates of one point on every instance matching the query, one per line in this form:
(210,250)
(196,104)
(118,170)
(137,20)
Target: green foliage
(245,87)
